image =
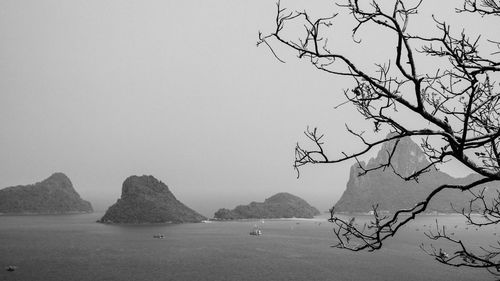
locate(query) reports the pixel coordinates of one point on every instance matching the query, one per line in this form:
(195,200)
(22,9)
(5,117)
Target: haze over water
(74,247)
(102,90)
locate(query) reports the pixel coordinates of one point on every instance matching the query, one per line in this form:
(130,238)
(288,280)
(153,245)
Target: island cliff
(391,192)
(54,195)
(144,199)
(281,205)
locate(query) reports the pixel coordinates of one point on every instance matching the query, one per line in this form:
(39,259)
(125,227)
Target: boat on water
(159,236)
(256,231)
(11,268)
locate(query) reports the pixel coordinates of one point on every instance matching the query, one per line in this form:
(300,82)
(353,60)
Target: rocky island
(144,199)
(54,195)
(281,205)
(391,192)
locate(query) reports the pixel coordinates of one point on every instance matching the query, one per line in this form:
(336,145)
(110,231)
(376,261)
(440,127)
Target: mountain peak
(147,200)
(281,196)
(145,185)
(390,191)
(58,177)
(407,158)
(55,194)
(280,205)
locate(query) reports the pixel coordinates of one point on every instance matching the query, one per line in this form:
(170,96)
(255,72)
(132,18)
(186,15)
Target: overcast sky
(101,90)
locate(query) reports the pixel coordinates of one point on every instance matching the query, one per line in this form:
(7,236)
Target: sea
(75,247)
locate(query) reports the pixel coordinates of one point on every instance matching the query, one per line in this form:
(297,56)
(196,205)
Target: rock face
(391,193)
(55,195)
(146,200)
(281,205)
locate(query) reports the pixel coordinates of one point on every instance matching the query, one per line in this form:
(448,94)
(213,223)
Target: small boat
(256,231)
(159,236)
(11,268)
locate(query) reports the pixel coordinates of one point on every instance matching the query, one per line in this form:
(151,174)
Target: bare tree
(458,104)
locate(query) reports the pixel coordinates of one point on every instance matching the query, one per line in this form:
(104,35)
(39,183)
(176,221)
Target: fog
(101,90)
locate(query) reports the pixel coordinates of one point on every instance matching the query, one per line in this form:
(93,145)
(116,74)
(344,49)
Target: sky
(102,90)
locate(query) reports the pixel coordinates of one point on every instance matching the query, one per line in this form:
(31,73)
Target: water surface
(74,247)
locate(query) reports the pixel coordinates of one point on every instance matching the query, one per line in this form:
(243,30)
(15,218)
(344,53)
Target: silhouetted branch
(458,103)
(485,7)
(461,255)
(371,236)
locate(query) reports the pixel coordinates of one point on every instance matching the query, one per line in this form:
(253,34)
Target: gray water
(74,247)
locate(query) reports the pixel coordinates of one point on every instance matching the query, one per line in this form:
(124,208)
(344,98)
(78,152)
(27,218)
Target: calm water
(74,247)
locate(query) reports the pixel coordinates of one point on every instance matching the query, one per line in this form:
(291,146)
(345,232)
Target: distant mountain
(391,193)
(55,195)
(144,199)
(281,205)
